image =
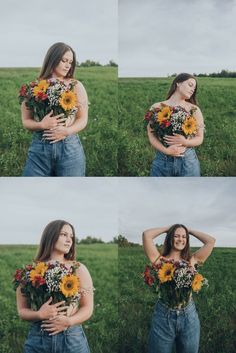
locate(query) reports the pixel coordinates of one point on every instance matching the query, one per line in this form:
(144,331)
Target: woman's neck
(175,255)
(55,256)
(176,99)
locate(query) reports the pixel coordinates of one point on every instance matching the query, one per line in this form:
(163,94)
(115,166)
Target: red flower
(148,115)
(18,275)
(28,267)
(165,123)
(23,91)
(148,278)
(33,84)
(38,281)
(41,96)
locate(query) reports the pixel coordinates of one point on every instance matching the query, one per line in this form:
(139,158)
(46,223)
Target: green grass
(98,139)
(217,101)
(101,330)
(216,306)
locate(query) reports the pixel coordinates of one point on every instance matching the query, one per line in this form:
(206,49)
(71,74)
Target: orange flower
(41,87)
(190,126)
(69,285)
(68,100)
(164,114)
(197,282)
(166,272)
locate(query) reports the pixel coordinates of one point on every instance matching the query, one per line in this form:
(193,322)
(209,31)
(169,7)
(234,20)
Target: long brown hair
(168,243)
(49,238)
(53,58)
(181,78)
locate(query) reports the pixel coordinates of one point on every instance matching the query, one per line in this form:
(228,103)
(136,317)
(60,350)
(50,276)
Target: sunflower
(166,273)
(36,279)
(190,126)
(41,87)
(69,285)
(68,100)
(197,282)
(164,114)
(41,268)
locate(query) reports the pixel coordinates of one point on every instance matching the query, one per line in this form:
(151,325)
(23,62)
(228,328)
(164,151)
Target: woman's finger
(59,115)
(54,333)
(62,308)
(59,303)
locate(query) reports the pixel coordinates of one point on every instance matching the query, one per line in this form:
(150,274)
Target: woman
(180,324)
(179,157)
(56,149)
(55,327)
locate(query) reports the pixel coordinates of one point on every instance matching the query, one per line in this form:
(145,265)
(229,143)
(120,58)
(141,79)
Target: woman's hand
(56,324)
(49,311)
(50,121)
(175,140)
(56,134)
(175,150)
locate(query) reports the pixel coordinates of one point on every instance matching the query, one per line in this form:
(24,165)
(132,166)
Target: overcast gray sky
(106,207)
(205,204)
(27,205)
(28,28)
(157,37)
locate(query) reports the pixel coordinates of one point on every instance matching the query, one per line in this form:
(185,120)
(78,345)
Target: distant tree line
(94,240)
(124,243)
(223,73)
(89,63)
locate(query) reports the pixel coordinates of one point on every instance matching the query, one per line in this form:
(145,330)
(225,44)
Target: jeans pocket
(72,139)
(75,340)
(161,166)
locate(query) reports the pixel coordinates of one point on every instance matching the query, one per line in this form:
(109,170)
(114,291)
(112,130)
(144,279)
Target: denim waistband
(38,136)
(35,329)
(167,310)
(189,152)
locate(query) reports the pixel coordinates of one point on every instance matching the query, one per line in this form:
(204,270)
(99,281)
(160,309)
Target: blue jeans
(169,327)
(167,166)
(72,340)
(63,158)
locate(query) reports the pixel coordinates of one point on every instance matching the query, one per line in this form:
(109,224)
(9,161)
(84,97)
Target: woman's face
(187,88)
(65,240)
(179,239)
(64,66)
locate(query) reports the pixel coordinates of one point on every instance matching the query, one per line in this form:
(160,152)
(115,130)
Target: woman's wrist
(70,321)
(68,131)
(187,143)
(39,315)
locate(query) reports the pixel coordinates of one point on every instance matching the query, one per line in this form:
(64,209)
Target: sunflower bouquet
(166,120)
(174,281)
(43,96)
(40,281)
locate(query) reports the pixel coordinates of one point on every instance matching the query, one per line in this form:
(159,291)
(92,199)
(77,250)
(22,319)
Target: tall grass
(98,139)
(101,330)
(217,101)
(216,306)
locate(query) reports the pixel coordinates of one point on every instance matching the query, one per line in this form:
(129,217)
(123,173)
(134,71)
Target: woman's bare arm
(204,252)
(86,301)
(191,142)
(48,122)
(61,322)
(61,131)
(45,312)
(150,248)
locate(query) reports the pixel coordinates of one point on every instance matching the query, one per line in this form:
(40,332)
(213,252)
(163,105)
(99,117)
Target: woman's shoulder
(192,108)
(158,105)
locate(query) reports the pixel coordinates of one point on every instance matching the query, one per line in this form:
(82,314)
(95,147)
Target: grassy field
(101,329)
(217,100)
(216,308)
(98,139)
